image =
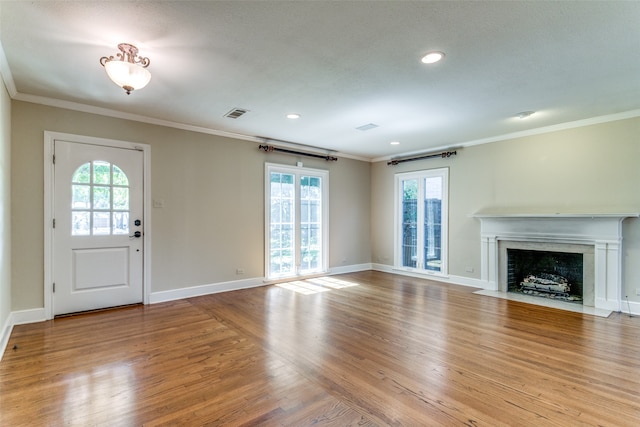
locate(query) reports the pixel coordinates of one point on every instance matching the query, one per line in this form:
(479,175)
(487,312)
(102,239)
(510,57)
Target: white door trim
(49,138)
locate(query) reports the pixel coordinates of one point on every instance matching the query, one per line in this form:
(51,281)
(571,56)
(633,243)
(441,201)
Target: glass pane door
(310,223)
(433,224)
(421,220)
(296,221)
(410,223)
(281,233)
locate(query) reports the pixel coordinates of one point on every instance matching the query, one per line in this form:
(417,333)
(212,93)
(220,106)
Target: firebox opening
(554,275)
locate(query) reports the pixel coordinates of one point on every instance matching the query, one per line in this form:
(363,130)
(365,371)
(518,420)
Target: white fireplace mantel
(603,231)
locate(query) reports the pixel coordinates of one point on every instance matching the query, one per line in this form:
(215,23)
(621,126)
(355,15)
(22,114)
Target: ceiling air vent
(367,126)
(235,113)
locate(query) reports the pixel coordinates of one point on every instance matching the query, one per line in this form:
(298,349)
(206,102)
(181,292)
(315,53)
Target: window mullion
(420,225)
(91,198)
(296,223)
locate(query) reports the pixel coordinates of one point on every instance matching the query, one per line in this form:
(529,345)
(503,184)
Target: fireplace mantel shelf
(556,215)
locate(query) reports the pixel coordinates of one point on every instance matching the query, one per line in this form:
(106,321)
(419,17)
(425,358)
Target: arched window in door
(99,200)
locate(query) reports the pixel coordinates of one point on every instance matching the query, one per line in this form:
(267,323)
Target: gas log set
(548,285)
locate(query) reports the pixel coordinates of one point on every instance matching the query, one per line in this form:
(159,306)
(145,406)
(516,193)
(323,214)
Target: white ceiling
(340,64)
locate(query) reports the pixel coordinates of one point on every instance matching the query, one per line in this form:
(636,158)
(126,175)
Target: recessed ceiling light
(432,57)
(395,142)
(293,116)
(525,114)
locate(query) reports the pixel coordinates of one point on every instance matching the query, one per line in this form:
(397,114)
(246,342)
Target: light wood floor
(371,349)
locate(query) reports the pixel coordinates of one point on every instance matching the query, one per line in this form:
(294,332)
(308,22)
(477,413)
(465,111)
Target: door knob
(136,234)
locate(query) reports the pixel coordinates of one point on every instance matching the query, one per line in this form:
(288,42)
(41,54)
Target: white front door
(97,239)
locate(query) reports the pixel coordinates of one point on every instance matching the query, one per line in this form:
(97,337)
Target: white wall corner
(19,318)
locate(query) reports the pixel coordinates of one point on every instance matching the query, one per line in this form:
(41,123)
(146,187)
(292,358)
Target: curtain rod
(442,155)
(270,148)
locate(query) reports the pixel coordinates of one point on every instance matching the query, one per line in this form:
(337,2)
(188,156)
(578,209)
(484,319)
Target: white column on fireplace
(602,231)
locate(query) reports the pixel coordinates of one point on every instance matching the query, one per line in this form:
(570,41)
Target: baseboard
(468,281)
(19,318)
(382,267)
(451,279)
(631,307)
(200,290)
(6,334)
(23,317)
(350,268)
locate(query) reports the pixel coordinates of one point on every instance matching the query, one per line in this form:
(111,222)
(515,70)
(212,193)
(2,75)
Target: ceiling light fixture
(127,69)
(432,57)
(525,114)
(293,116)
(395,143)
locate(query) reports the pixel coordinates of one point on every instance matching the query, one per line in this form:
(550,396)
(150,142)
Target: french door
(421,221)
(296,221)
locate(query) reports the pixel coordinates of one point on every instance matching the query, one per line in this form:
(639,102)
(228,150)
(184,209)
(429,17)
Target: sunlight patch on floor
(316,285)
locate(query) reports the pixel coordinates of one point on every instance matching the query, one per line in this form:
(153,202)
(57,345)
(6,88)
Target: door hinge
(54,223)
(54,287)
(54,159)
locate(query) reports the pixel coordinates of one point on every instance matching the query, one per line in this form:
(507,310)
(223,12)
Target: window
(296,218)
(99,200)
(421,221)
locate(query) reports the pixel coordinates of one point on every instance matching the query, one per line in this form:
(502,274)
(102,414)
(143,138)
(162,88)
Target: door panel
(98,196)
(100,268)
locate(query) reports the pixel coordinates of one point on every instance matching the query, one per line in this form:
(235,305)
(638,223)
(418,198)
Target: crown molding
(85,108)
(7,77)
(531,132)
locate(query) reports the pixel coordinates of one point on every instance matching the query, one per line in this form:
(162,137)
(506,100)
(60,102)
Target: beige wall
(588,169)
(213,191)
(212,222)
(5,206)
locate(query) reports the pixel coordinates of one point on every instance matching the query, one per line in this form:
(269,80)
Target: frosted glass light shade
(127,75)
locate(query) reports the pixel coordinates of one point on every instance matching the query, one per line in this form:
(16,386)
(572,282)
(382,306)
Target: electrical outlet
(239,270)
(158,203)
(469,269)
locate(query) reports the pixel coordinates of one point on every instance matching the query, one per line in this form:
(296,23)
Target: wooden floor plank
(372,349)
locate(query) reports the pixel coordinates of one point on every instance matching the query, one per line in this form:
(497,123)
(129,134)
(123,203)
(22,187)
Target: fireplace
(563,238)
(545,274)
(572,261)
